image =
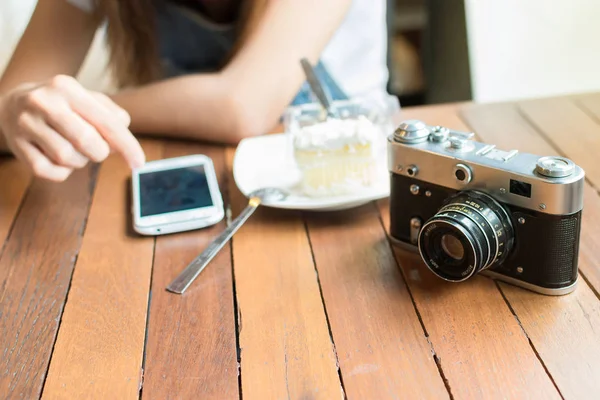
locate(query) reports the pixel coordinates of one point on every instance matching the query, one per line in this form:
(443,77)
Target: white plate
(265,161)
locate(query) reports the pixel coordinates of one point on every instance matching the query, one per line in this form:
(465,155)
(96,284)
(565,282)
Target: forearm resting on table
(200,107)
(3,147)
(245,99)
(249,95)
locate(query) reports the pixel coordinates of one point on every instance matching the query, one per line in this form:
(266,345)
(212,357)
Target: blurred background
(446,50)
(492,50)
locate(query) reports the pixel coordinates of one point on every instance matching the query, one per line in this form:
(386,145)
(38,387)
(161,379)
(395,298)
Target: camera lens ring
(494,214)
(478,218)
(476,232)
(489,226)
(472,251)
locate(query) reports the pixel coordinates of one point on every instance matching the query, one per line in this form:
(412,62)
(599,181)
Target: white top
(356,56)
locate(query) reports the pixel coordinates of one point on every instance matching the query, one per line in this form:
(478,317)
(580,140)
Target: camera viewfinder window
(520,188)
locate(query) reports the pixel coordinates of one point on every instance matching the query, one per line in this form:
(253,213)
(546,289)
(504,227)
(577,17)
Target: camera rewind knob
(411,131)
(554,167)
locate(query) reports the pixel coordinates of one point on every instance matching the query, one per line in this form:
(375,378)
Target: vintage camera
(469,207)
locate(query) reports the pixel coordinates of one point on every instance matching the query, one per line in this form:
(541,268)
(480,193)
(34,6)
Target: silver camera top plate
(437,155)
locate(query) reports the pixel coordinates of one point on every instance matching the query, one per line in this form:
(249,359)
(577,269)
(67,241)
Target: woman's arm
(55,42)
(3,145)
(249,95)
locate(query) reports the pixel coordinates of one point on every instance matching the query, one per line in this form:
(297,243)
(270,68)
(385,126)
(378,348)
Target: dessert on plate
(336,156)
(344,154)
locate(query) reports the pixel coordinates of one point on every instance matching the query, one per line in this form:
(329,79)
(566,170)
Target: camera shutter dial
(458,143)
(554,167)
(439,134)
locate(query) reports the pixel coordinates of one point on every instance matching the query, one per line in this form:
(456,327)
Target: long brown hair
(131,36)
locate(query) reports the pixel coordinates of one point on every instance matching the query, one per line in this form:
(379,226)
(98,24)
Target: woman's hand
(57,126)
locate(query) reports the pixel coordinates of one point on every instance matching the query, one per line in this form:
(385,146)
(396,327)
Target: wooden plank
(14,180)
(381,346)
(564,330)
(554,117)
(99,349)
(286,350)
(590,103)
(552,322)
(35,271)
(579,115)
(191,346)
(590,244)
(476,338)
(569,129)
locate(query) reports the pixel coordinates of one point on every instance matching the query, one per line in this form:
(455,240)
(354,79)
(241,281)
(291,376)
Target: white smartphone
(175,195)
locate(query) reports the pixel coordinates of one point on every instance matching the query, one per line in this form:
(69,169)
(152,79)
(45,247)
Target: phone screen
(174,190)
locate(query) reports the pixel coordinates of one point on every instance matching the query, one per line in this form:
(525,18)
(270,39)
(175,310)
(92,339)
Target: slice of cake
(336,156)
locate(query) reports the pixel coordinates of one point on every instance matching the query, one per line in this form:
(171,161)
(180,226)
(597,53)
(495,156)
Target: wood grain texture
(590,103)
(554,117)
(482,350)
(589,256)
(555,325)
(14,180)
(381,346)
(191,346)
(511,126)
(99,349)
(570,129)
(566,333)
(286,350)
(35,271)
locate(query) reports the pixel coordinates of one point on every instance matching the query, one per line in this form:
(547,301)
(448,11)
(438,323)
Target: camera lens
(470,233)
(453,247)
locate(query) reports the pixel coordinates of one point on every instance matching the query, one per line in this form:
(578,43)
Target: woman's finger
(80,133)
(113,107)
(112,129)
(53,145)
(40,165)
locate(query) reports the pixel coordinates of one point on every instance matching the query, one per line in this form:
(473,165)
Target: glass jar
(343,155)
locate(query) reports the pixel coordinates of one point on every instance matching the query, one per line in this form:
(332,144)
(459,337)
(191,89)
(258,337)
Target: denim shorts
(188,43)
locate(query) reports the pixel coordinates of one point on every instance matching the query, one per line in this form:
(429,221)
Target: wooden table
(300,306)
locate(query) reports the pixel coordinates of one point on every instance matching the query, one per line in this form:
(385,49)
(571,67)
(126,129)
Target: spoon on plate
(255,199)
(317,88)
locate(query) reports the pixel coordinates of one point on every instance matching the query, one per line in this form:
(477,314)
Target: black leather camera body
(468,207)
